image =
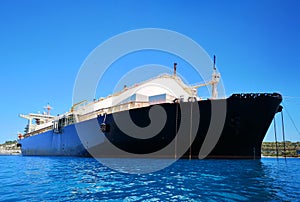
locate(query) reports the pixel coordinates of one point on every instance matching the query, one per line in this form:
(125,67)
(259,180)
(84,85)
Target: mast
(215,80)
(48,107)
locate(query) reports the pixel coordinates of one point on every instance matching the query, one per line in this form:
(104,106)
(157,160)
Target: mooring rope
(283,135)
(276,142)
(191,119)
(176,130)
(291,119)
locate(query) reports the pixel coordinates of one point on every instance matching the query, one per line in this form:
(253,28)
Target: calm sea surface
(85,179)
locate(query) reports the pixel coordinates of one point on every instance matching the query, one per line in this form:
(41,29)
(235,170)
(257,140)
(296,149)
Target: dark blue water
(78,179)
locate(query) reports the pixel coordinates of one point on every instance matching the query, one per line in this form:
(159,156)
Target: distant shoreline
(269,149)
(282,157)
(9,148)
(10,153)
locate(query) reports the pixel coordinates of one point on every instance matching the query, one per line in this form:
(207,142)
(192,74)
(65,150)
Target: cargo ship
(162,117)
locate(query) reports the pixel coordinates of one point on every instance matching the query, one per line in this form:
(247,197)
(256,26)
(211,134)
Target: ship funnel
(175,67)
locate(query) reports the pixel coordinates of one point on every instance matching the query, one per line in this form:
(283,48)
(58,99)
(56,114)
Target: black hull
(246,121)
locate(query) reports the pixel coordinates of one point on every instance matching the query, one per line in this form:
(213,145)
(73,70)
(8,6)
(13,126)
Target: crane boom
(215,78)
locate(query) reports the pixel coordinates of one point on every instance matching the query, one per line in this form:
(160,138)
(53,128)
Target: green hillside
(269,148)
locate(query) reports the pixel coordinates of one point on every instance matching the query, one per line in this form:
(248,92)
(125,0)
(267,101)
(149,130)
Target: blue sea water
(85,179)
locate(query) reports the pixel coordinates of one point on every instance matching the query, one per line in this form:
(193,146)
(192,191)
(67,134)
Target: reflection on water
(61,178)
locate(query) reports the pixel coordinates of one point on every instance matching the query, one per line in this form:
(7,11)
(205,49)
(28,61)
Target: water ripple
(85,179)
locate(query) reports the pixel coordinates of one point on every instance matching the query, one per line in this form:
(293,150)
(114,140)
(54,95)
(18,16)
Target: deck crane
(214,82)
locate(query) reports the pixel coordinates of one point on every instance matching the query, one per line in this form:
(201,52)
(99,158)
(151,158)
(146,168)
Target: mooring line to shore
(275,133)
(290,117)
(283,135)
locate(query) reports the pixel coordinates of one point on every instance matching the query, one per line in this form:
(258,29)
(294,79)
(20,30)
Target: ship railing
(113,109)
(94,114)
(41,126)
(255,95)
(36,132)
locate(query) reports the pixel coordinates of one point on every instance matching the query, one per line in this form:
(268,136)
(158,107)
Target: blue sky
(44,43)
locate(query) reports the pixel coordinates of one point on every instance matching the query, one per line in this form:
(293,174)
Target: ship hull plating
(183,135)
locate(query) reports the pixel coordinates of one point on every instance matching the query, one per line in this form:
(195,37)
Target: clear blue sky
(43,44)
